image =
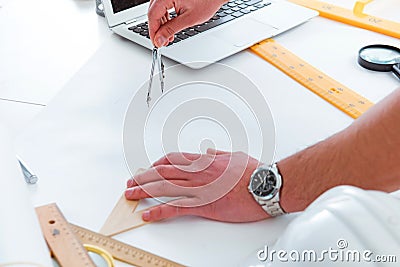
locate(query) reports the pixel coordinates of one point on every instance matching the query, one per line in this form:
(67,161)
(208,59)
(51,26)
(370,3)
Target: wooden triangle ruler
(354,17)
(122,251)
(123,217)
(69,244)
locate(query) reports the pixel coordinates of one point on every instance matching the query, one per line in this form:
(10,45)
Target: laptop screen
(121,5)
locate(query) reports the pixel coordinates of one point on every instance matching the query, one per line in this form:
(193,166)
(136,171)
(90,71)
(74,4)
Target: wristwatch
(265,184)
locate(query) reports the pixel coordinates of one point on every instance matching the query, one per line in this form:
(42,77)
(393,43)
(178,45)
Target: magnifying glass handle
(396,70)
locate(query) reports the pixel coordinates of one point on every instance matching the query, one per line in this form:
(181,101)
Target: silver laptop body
(244,23)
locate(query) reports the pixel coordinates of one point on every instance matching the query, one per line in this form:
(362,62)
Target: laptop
(237,25)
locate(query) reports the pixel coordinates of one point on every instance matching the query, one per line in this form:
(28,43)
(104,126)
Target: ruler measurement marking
(361,20)
(124,252)
(60,239)
(65,241)
(319,83)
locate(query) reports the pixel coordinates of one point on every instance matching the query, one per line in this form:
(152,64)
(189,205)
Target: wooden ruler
(121,251)
(60,238)
(65,241)
(354,17)
(124,216)
(321,84)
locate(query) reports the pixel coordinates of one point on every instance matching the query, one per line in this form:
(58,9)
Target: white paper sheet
(21,239)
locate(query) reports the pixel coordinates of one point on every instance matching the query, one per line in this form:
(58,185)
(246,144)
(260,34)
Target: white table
(75,146)
(43,43)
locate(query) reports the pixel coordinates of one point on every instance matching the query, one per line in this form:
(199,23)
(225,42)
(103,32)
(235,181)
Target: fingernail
(129,183)
(211,150)
(130,192)
(146,215)
(161,40)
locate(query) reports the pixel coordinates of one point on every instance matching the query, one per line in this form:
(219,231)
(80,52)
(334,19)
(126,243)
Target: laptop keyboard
(229,11)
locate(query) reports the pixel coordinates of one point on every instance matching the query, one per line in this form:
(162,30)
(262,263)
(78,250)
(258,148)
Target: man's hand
(212,185)
(189,13)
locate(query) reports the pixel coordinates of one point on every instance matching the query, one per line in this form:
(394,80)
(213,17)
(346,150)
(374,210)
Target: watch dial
(263,183)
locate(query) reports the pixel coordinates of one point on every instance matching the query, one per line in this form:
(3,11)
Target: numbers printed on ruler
(121,251)
(332,91)
(62,242)
(375,20)
(327,7)
(65,241)
(355,17)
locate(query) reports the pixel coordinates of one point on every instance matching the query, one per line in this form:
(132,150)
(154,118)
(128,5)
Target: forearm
(366,155)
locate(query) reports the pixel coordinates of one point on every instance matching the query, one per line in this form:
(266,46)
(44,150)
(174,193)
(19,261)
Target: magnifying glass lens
(380,55)
(380,58)
(98,259)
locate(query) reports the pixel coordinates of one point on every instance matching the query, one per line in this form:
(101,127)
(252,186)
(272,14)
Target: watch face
(263,183)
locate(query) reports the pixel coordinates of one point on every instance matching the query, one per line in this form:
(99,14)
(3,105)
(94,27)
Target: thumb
(170,28)
(175,208)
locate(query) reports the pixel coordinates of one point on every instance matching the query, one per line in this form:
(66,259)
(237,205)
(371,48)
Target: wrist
(289,202)
(265,185)
(309,173)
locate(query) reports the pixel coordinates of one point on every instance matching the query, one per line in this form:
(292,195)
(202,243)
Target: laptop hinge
(140,18)
(130,21)
(126,22)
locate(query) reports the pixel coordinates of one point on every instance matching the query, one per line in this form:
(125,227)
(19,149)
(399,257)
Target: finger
(213,151)
(164,20)
(175,208)
(166,17)
(177,158)
(157,173)
(162,188)
(131,183)
(168,29)
(170,188)
(155,14)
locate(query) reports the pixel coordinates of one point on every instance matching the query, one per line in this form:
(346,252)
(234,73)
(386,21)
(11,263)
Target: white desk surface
(75,144)
(43,43)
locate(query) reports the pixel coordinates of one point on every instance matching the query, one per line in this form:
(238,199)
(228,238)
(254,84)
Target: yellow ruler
(321,84)
(354,17)
(65,241)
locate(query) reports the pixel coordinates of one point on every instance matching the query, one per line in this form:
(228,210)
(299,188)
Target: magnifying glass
(380,58)
(99,256)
